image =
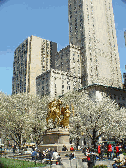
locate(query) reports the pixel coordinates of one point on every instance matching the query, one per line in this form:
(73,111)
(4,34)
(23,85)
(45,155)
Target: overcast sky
(47,19)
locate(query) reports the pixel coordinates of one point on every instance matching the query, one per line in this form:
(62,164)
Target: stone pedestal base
(55,139)
(57,147)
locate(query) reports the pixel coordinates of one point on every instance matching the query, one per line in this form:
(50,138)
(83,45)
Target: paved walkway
(77,163)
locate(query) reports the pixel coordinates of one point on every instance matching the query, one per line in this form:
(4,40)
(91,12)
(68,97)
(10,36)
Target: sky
(47,19)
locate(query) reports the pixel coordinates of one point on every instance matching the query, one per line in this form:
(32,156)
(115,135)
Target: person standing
(14,148)
(112,151)
(117,150)
(99,151)
(109,151)
(102,150)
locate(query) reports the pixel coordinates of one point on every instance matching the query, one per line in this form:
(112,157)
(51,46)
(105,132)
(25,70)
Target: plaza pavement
(77,163)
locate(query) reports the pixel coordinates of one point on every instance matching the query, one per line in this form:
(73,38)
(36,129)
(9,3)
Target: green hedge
(11,163)
(100,166)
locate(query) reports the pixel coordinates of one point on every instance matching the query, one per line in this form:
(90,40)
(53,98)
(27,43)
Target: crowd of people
(112,151)
(48,154)
(101,150)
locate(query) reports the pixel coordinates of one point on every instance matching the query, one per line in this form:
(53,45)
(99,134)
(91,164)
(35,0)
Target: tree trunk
(94,138)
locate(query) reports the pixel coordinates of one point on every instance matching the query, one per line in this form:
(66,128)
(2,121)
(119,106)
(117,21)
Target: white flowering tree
(23,117)
(37,118)
(12,118)
(95,118)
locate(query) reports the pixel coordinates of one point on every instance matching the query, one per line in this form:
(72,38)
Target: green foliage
(11,163)
(100,166)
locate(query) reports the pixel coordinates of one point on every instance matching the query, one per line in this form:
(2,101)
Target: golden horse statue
(58,114)
(66,114)
(54,111)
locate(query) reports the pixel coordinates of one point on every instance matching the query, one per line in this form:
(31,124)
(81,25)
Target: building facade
(99,91)
(91,57)
(55,83)
(69,60)
(92,28)
(31,58)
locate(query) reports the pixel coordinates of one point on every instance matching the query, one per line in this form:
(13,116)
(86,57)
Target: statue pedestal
(55,139)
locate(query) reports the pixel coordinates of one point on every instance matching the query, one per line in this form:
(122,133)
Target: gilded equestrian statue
(58,114)
(54,111)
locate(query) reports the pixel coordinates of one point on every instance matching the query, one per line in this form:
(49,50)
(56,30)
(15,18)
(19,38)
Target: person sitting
(121,158)
(71,156)
(84,151)
(56,156)
(41,155)
(121,161)
(64,148)
(49,154)
(71,148)
(34,154)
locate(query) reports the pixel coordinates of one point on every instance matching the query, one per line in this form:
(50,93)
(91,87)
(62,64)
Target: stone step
(76,155)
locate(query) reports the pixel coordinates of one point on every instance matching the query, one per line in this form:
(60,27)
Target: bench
(51,161)
(20,156)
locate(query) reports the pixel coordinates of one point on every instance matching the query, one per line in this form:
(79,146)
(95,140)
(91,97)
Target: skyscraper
(92,28)
(31,58)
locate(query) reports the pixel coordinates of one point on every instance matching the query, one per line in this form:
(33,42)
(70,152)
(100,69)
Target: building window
(62,86)
(62,91)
